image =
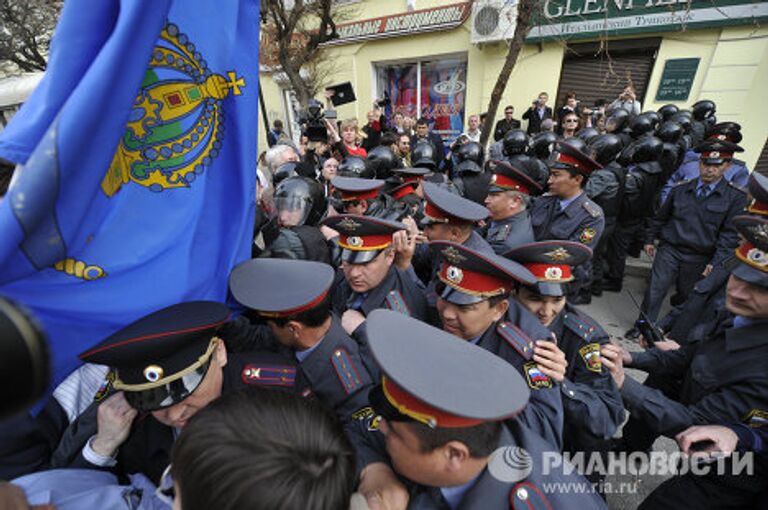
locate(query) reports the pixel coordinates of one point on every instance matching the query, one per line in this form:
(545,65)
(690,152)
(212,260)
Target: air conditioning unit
(493,20)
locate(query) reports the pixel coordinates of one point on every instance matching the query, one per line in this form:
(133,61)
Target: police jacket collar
(747,337)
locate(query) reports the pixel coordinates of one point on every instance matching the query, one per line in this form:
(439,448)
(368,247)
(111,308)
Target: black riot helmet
(641,126)
(470,151)
(669,132)
(515,142)
(703,110)
(299,201)
(381,161)
(284,171)
(542,143)
(654,116)
(577,143)
(354,166)
(604,148)
(646,149)
(667,111)
(617,120)
(587,134)
(683,118)
(423,156)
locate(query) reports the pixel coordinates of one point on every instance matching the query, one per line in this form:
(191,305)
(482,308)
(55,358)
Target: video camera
(313,118)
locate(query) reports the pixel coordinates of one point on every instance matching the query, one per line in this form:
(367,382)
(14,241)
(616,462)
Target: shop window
(434,89)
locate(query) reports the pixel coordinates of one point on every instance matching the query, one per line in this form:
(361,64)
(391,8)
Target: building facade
(440,59)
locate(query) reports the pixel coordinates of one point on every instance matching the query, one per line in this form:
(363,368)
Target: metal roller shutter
(762,163)
(594,74)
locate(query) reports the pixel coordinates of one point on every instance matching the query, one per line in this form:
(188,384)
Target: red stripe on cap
(570,160)
(506,182)
(742,253)
(716,155)
(757,207)
(413,178)
(403,192)
(347,196)
(472,282)
(721,136)
(150,337)
(296,311)
(435,213)
(551,272)
(419,410)
(365,243)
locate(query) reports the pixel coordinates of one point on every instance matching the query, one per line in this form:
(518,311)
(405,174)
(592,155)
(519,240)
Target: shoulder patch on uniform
(106,387)
(516,338)
(535,377)
(526,496)
(590,353)
(579,326)
(587,235)
(269,375)
(369,416)
(503,232)
(396,302)
(756,418)
(592,208)
(346,371)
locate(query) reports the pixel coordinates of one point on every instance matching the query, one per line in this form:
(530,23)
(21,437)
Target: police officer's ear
(220,354)
(579,178)
(456,454)
(499,309)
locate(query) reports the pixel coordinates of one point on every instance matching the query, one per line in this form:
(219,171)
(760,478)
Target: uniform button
(571,393)
(522,494)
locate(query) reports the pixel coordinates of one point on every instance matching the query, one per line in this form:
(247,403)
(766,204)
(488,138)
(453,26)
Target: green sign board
(590,19)
(677,79)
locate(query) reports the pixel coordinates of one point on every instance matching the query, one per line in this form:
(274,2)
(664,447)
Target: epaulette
(269,375)
(516,338)
(736,186)
(396,303)
(346,371)
(526,496)
(581,327)
(592,208)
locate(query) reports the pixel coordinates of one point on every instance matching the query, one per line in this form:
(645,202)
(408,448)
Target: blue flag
(138,147)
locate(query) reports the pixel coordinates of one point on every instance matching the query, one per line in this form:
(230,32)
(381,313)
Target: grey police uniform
(693,231)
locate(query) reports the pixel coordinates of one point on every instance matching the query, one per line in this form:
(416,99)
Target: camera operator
(537,113)
(627,100)
(377,123)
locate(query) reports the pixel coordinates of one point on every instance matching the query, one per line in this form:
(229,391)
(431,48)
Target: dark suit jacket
(534,121)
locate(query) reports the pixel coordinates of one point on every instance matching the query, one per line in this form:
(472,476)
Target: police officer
(369,277)
(445,437)
(694,228)
(737,172)
(164,368)
(358,196)
(473,303)
(509,196)
(568,214)
(708,295)
(299,323)
(724,371)
(591,402)
(606,188)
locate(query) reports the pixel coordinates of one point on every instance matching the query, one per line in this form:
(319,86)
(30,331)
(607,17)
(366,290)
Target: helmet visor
(292,211)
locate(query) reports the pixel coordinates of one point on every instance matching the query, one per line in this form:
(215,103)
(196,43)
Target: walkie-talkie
(646,327)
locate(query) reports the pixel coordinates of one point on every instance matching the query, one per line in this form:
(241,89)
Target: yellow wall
(733,70)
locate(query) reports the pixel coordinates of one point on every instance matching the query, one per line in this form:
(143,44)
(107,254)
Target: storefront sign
(577,19)
(677,79)
(414,22)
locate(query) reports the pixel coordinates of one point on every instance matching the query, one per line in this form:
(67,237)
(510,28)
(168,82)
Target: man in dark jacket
(505,124)
(537,113)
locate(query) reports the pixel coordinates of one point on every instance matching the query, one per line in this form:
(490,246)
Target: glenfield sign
(413,22)
(576,19)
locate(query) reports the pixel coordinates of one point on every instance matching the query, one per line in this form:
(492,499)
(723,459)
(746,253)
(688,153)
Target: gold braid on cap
(202,360)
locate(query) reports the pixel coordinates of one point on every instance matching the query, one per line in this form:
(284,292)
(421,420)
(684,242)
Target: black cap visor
(169,394)
(359,256)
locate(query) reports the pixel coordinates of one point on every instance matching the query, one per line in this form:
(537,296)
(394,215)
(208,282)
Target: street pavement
(616,313)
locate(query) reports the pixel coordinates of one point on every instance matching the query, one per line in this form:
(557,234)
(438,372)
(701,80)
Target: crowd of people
(412,320)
